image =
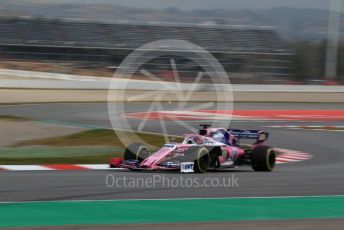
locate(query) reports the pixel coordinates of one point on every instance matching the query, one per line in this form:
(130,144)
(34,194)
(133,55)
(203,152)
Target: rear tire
(136,151)
(263,159)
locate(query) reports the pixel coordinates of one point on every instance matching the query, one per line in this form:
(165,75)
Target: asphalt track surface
(322,175)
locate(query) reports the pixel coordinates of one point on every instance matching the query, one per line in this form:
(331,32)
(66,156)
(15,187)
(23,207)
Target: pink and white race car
(212,148)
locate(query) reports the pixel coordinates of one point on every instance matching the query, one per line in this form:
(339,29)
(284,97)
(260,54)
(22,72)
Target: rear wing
(258,135)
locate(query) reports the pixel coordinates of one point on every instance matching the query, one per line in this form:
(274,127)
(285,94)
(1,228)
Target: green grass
(88,147)
(59,155)
(13,118)
(96,137)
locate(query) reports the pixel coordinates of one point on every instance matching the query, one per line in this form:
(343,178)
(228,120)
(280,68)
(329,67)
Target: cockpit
(220,135)
(195,140)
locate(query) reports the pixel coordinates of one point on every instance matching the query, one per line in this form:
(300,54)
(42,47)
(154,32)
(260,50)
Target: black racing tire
(201,158)
(136,151)
(263,158)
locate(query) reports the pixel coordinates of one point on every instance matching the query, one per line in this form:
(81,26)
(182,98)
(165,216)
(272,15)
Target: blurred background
(257,42)
(284,58)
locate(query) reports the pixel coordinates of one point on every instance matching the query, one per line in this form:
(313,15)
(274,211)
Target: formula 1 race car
(212,148)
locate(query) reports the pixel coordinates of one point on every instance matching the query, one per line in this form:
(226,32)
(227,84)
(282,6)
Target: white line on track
(191,198)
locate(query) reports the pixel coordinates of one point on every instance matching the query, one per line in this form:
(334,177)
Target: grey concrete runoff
(19,86)
(20,95)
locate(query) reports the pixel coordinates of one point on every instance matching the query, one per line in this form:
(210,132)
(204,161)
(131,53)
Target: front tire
(263,158)
(136,151)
